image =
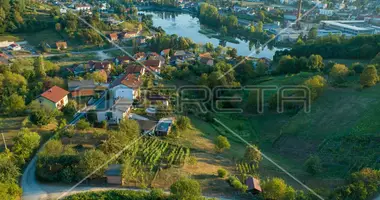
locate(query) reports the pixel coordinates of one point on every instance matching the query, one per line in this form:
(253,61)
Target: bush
(235,183)
(83,124)
(222,173)
(186,189)
(222,143)
(313,165)
(358,67)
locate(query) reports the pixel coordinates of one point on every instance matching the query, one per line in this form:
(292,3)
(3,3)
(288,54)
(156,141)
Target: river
(185,25)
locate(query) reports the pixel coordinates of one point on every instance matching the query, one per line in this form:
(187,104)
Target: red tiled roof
(82,93)
(55,94)
(133,68)
(205,55)
(124,58)
(152,63)
(131,81)
(140,54)
(113,36)
(99,65)
(166,51)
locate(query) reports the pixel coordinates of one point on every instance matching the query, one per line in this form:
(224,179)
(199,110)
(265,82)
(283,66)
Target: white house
(81,7)
(14,47)
(120,110)
(127,87)
(326,12)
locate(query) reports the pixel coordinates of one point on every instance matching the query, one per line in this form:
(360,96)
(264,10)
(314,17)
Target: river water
(185,25)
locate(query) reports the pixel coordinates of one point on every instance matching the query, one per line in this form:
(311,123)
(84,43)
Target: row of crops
(154,152)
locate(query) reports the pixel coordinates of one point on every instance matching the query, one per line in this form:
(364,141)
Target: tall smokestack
(299,13)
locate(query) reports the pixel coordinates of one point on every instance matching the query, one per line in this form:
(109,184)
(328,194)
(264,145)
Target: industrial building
(350,27)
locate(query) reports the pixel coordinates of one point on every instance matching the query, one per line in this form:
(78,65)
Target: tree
(70,108)
(300,41)
(13,105)
(223,30)
(25,143)
(232,52)
(10,191)
(222,143)
(42,115)
(312,35)
(83,124)
(313,165)
(316,62)
(39,66)
(369,76)
(287,64)
(58,27)
(9,171)
(130,128)
(99,77)
(252,28)
(222,173)
(276,188)
(259,27)
(317,85)
(183,122)
(339,72)
(186,189)
(252,155)
(89,163)
(357,67)
(261,68)
(53,148)
(209,47)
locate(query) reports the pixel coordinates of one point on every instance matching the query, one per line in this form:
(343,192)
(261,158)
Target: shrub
(235,183)
(222,173)
(186,189)
(222,143)
(82,124)
(313,165)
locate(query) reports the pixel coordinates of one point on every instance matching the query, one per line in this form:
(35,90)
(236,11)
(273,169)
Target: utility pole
(5,143)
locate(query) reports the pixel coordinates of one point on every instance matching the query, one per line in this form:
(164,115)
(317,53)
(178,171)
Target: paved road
(74,52)
(34,190)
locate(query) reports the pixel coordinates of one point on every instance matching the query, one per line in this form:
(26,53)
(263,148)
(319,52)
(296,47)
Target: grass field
(10,127)
(6,37)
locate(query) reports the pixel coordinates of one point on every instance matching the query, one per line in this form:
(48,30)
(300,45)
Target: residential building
(206,59)
(119,111)
(79,69)
(123,60)
(128,35)
(4,44)
(153,65)
(140,56)
(126,86)
(14,47)
(85,88)
(82,7)
(61,45)
(113,174)
(103,65)
(113,36)
(54,97)
(136,69)
(165,52)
